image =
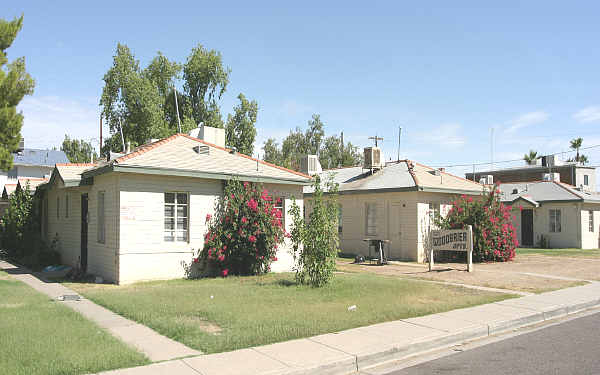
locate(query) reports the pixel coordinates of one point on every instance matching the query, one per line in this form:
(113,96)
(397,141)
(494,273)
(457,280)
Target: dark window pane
(181,198)
(169,224)
(169,211)
(169,197)
(181,211)
(182,223)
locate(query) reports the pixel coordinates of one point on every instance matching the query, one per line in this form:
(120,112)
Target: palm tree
(531,157)
(576,145)
(583,159)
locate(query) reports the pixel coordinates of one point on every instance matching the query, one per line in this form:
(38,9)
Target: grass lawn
(561,252)
(40,336)
(251,311)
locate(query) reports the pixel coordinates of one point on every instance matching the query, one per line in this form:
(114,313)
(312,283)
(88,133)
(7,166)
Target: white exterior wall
(402,217)
(143,253)
(24,171)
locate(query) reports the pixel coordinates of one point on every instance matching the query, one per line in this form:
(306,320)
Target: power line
(513,160)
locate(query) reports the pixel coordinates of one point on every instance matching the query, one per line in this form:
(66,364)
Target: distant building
(31,163)
(573,174)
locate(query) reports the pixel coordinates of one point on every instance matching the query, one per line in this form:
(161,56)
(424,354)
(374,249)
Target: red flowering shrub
(244,233)
(494,235)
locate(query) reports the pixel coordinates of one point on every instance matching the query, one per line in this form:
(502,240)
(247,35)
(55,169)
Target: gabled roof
(176,156)
(404,175)
(69,173)
(8,190)
(32,182)
(46,158)
(545,191)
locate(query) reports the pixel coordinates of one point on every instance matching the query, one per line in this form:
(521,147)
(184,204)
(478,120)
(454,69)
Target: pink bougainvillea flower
(252,204)
(246,184)
(208,217)
(225,272)
(221,258)
(244,220)
(252,238)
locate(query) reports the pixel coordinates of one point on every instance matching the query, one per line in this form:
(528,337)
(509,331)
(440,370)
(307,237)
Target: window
(280,206)
(57,207)
(591,221)
(555,221)
(434,210)
(176,217)
(340,218)
(371,219)
(586,180)
(101,222)
(67,205)
(12,174)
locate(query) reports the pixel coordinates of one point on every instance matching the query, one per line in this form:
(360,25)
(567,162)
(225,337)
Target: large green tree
(240,131)
(143,102)
(78,151)
(206,79)
(15,83)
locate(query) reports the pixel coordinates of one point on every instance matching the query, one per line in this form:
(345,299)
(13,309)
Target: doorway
(394,248)
(84,232)
(527,228)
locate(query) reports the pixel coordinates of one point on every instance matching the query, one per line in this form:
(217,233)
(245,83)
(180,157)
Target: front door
(84,232)
(527,227)
(394,248)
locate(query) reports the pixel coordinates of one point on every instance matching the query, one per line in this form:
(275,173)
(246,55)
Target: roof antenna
(122,138)
(399,139)
(376,138)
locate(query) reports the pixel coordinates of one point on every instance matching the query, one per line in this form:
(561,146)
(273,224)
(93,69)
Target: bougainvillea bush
(244,233)
(494,235)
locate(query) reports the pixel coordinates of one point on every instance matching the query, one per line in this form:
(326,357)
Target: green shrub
(494,235)
(315,243)
(244,233)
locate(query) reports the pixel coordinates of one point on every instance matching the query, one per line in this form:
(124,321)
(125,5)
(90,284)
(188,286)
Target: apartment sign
(452,240)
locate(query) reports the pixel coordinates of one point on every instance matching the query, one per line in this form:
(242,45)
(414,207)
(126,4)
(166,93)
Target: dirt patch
(509,275)
(201,323)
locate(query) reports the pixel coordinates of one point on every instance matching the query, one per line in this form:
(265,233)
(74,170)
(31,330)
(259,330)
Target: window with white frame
(280,206)
(555,225)
(57,207)
(176,217)
(101,219)
(586,179)
(591,220)
(371,219)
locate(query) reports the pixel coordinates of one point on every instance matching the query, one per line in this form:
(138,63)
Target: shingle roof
(73,171)
(33,183)
(177,153)
(545,191)
(31,156)
(401,175)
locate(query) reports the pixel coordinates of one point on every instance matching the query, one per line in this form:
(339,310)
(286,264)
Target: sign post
(452,240)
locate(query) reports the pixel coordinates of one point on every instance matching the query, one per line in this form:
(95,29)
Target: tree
(334,154)
(78,151)
(131,101)
(315,242)
(272,153)
(576,145)
(15,83)
(531,157)
(240,131)
(206,80)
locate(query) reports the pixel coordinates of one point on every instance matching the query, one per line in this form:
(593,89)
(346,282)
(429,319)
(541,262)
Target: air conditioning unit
(310,165)
(489,179)
(551,177)
(373,158)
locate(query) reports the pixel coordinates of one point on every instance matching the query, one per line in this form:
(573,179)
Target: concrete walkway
(354,350)
(155,346)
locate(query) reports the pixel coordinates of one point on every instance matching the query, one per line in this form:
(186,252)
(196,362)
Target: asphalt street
(572,348)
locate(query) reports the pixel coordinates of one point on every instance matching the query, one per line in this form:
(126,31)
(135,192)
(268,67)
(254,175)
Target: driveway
(526,273)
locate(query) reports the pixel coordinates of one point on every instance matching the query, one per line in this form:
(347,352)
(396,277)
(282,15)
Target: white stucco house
(554,214)
(395,203)
(140,216)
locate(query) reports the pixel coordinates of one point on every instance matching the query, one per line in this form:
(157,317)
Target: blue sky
(446,72)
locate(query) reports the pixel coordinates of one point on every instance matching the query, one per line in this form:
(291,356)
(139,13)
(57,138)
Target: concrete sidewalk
(357,349)
(155,346)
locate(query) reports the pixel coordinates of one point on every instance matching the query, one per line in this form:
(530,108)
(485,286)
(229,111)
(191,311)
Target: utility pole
(492,148)
(177,108)
(399,139)
(376,138)
(100,153)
